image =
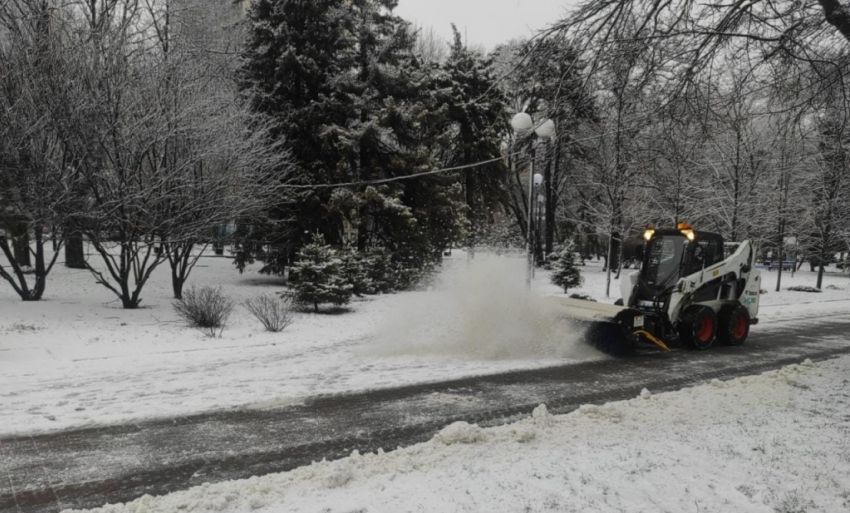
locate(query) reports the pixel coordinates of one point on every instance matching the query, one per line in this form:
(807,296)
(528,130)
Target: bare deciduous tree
(161,152)
(33,163)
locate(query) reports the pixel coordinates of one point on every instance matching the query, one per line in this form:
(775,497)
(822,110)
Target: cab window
(704,253)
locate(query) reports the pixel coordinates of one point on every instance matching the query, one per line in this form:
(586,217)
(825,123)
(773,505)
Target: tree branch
(837,16)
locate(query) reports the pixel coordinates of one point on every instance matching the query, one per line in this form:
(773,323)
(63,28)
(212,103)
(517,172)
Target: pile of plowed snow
(773,442)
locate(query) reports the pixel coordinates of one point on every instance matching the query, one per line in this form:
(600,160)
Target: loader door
(664,255)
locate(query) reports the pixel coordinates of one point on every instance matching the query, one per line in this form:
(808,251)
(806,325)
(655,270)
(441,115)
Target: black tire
(619,302)
(733,325)
(698,327)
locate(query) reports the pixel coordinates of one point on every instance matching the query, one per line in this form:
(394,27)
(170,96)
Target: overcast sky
(484,22)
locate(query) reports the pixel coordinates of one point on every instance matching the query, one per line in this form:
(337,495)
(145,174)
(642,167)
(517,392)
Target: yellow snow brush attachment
(614,329)
(652,339)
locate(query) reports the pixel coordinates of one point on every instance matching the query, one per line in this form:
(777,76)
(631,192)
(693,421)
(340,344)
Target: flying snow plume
(481,309)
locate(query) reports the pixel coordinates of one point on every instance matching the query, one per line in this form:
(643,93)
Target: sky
(484,22)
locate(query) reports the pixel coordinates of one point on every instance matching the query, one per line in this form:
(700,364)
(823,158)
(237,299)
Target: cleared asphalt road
(92,467)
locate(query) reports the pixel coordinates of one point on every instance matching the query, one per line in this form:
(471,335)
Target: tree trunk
(181,262)
(75,257)
(176,284)
(18,279)
(40,271)
(608,271)
(133,262)
(619,261)
(127,301)
(471,187)
(615,250)
(21,245)
(781,259)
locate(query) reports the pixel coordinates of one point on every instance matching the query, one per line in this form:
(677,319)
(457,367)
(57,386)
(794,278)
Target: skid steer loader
(686,293)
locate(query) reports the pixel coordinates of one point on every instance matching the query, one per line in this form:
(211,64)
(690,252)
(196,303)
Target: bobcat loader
(687,292)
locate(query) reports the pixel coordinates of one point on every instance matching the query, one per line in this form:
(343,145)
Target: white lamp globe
(522,122)
(546,130)
(538,178)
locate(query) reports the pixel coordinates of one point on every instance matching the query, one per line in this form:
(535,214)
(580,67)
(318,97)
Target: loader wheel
(733,325)
(698,327)
(619,302)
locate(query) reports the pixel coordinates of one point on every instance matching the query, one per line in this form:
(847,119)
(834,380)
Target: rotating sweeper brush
(687,292)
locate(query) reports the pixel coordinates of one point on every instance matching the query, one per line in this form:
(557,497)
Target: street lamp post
(533,232)
(546,132)
(539,223)
(522,123)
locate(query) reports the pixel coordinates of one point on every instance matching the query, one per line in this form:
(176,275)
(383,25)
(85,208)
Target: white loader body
(718,298)
(737,270)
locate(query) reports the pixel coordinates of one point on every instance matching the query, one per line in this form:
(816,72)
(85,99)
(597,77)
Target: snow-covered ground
(778,442)
(78,359)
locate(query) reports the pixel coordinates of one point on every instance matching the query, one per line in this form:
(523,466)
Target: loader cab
(671,254)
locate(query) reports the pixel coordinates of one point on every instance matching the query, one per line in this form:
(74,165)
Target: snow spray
(480,309)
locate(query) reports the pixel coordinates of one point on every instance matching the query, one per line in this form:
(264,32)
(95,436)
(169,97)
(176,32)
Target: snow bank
(459,433)
(756,444)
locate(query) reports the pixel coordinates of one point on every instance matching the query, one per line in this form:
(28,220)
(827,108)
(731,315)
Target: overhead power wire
(400,178)
(465,167)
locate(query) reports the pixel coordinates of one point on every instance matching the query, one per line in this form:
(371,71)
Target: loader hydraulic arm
(739,265)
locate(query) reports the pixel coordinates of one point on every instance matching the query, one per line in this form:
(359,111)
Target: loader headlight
(687,231)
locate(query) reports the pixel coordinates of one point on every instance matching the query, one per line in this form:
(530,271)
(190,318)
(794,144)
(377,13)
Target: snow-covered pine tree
(565,272)
(292,62)
(355,267)
(475,119)
(389,131)
(319,276)
(379,271)
(354,103)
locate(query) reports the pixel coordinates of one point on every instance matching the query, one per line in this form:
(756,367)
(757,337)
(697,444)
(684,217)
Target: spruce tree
(388,132)
(292,61)
(354,266)
(353,104)
(475,115)
(565,272)
(320,277)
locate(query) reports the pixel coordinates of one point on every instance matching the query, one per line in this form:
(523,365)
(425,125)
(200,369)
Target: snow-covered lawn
(78,359)
(778,442)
